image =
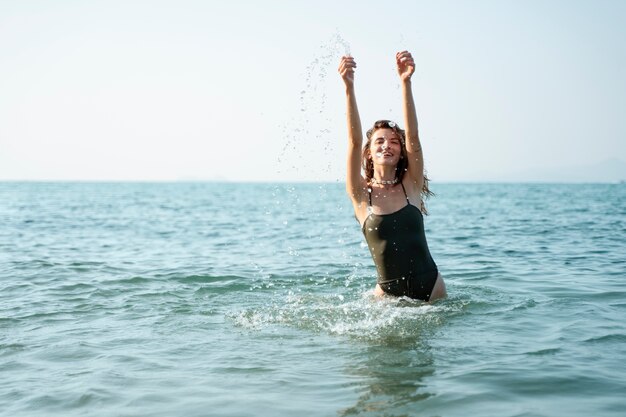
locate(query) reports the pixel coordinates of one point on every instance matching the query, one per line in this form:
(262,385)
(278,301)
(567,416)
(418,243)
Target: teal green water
(205,299)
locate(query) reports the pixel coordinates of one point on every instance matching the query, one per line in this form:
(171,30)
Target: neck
(384,175)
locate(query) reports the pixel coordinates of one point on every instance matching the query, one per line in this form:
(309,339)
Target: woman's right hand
(346,70)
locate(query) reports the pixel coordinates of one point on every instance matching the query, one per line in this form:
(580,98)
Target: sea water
(222,299)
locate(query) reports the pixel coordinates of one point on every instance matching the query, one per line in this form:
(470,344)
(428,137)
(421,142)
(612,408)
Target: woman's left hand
(406,65)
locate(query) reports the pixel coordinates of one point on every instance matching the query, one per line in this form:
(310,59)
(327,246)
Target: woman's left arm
(406,68)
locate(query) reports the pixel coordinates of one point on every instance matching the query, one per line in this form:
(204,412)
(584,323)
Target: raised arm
(406,68)
(354,181)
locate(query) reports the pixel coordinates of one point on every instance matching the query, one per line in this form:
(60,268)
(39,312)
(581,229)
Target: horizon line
(226,181)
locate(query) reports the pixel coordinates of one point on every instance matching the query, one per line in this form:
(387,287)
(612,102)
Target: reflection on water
(386,340)
(391,379)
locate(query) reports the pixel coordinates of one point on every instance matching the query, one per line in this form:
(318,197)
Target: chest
(400,227)
(386,200)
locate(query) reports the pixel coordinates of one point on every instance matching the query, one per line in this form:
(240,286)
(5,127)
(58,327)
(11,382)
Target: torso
(385,200)
(393,227)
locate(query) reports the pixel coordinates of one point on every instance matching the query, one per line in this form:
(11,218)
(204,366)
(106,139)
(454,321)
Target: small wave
(542,352)
(74,288)
(34,264)
(366,317)
(608,338)
(529,303)
(136,280)
(11,347)
(219,280)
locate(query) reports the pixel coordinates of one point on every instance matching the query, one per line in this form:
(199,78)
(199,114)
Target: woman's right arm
(354,181)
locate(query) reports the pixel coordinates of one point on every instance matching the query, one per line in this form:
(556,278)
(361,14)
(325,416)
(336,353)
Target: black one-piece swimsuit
(397,242)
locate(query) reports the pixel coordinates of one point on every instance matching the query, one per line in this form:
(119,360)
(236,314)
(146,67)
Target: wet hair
(403,163)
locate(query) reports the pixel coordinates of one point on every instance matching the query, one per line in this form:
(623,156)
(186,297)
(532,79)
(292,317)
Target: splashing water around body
(307,136)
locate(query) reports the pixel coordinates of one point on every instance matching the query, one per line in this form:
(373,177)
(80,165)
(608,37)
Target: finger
(403,56)
(349,61)
(348,64)
(407,60)
(345,70)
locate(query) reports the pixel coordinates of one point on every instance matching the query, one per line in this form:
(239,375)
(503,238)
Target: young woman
(388,196)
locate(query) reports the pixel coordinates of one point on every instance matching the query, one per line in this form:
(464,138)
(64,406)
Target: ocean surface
(220,299)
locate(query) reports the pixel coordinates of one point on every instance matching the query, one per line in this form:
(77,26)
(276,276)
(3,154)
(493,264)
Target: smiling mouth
(384,155)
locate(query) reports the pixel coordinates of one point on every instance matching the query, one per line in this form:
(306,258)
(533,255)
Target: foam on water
(364,317)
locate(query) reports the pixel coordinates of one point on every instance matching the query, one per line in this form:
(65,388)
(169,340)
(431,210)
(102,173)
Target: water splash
(342,42)
(308,131)
(362,316)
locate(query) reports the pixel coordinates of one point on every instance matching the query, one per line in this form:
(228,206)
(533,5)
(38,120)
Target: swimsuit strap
(405,195)
(369,194)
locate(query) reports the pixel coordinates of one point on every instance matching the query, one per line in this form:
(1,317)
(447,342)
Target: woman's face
(385,147)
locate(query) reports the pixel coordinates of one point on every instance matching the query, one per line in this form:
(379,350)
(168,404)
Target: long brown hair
(403,163)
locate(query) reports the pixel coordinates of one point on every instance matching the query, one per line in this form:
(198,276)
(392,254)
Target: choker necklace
(385,182)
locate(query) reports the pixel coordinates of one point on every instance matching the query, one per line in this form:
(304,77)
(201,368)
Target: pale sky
(249,90)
